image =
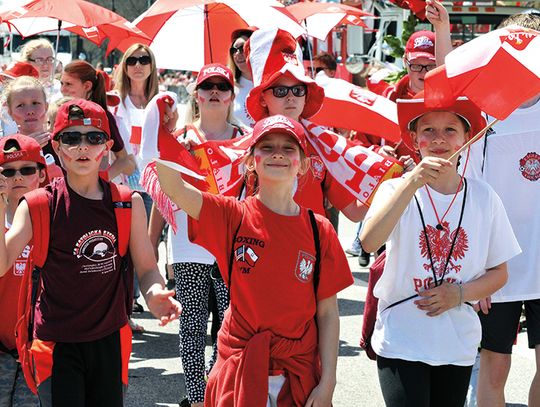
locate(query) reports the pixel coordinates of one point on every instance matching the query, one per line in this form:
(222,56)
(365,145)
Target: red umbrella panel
(351,107)
(187,34)
(85,19)
(498,71)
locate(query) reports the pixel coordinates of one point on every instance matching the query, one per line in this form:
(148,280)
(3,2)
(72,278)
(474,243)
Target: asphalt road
(156,377)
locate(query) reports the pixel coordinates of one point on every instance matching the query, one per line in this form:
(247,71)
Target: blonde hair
(123,83)
(21,83)
(31,46)
(53,110)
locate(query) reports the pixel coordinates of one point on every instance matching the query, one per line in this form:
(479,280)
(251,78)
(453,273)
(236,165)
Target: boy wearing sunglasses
(80,318)
(23,169)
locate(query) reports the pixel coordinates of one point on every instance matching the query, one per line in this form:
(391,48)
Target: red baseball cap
(16,69)
(18,147)
(421,44)
(212,70)
(81,112)
(281,125)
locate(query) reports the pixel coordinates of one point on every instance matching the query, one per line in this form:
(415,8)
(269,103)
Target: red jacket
(240,376)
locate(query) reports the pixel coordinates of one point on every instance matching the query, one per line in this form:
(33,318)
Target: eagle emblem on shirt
(440,243)
(529,166)
(304,267)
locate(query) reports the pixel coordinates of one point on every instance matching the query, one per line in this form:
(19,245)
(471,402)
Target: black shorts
(500,326)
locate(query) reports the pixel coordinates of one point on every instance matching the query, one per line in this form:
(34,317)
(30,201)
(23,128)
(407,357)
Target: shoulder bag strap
(316,239)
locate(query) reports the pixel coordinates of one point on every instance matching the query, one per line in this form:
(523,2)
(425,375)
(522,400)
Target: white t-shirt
(485,240)
(239,108)
(512,167)
(130,120)
(180,249)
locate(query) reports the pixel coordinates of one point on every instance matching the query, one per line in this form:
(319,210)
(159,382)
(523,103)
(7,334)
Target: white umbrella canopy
(187,34)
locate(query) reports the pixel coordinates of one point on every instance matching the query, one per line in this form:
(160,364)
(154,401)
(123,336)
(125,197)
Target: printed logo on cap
(216,69)
(14,155)
(304,267)
(274,120)
(530,166)
(423,42)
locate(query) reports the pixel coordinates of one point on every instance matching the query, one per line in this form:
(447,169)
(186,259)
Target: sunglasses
(24,171)
(420,67)
(234,50)
(282,91)
(41,61)
(221,86)
(143,60)
(74,138)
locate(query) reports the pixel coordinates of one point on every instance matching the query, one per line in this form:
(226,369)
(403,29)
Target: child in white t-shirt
(448,240)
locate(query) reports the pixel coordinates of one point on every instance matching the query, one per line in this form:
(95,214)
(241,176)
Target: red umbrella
(498,71)
(83,18)
(187,34)
(351,107)
(320,18)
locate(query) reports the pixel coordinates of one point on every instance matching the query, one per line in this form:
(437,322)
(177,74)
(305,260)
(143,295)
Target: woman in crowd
(195,269)
(40,53)
(242,75)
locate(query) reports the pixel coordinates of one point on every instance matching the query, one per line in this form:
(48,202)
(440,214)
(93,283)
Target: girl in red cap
(23,167)
(283,266)
(81,80)
(448,239)
(81,338)
(282,87)
(195,269)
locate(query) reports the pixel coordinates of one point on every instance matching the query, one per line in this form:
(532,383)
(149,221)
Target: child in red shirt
(23,165)
(278,343)
(81,340)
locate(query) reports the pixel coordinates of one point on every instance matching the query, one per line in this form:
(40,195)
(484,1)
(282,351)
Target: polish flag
(498,71)
(351,107)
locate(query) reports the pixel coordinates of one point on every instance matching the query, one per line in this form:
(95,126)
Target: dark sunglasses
(234,50)
(74,138)
(420,67)
(221,86)
(143,60)
(282,91)
(24,171)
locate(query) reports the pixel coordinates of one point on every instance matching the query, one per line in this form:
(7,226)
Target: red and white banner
(351,107)
(216,166)
(498,71)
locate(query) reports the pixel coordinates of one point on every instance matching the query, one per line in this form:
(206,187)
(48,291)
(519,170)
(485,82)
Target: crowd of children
(78,249)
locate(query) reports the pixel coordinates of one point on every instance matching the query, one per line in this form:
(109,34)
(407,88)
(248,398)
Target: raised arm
(186,196)
(437,15)
(378,227)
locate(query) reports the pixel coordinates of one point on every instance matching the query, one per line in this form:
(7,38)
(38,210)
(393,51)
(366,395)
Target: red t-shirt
(83,295)
(272,276)
(9,296)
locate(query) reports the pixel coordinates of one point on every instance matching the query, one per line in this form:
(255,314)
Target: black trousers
(417,384)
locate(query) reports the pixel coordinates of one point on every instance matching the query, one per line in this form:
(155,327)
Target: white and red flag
(498,71)
(351,107)
(217,166)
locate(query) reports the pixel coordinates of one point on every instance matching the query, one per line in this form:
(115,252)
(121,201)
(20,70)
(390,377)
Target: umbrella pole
(207,23)
(56,51)
(468,143)
(309,51)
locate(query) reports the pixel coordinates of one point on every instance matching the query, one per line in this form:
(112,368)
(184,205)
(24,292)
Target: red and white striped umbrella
(351,107)
(321,18)
(88,20)
(187,34)
(498,71)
